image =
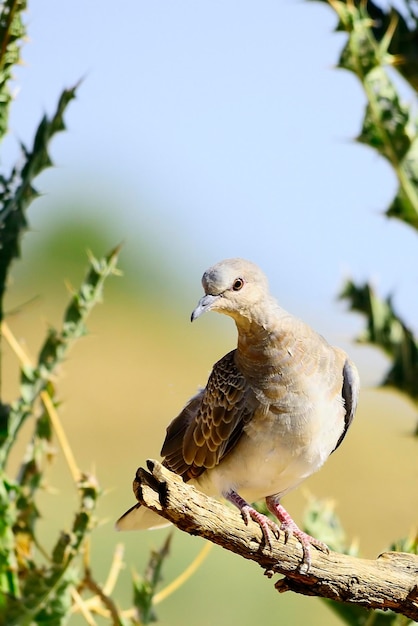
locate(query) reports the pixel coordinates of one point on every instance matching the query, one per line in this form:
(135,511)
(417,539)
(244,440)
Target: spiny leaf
(404,205)
(56,346)
(12,32)
(389,126)
(19,512)
(9,579)
(17,191)
(402,45)
(46,589)
(360,54)
(145,587)
(321,521)
(387,331)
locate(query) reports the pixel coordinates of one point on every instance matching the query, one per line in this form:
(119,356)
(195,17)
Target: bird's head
(234,287)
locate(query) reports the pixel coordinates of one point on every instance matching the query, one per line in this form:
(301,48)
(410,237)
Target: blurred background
(203,131)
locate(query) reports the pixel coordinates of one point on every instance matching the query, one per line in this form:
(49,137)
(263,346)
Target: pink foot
(289,528)
(248,512)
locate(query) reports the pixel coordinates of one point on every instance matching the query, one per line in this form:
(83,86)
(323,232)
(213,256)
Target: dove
(273,410)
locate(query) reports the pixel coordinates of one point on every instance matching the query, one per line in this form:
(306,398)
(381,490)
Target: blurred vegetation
(377,39)
(380,39)
(47,586)
(37,585)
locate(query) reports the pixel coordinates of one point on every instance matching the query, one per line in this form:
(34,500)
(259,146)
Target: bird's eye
(238,284)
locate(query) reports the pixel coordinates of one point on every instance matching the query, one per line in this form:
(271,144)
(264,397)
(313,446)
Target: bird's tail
(139,517)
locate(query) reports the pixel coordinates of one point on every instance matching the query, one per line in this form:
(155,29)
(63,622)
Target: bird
(272,412)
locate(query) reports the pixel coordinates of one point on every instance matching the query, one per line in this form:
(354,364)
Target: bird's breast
(276,452)
(298,416)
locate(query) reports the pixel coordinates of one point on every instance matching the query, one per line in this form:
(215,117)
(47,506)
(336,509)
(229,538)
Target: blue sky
(217,129)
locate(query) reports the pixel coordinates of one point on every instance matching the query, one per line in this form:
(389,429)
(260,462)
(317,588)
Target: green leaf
(404,206)
(386,123)
(406,544)
(17,192)
(387,331)
(56,612)
(56,346)
(12,32)
(18,510)
(321,521)
(358,616)
(145,587)
(45,596)
(403,42)
(375,41)
(360,54)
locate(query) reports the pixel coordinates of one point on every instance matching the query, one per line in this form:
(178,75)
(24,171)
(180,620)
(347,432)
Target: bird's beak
(204,304)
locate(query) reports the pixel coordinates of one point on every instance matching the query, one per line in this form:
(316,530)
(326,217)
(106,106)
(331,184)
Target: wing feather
(211,423)
(350,392)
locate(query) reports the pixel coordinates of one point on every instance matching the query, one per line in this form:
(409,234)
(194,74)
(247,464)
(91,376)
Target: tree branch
(389,582)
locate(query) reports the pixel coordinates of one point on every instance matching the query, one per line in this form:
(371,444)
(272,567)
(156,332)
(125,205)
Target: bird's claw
(268,527)
(290,529)
(287,526)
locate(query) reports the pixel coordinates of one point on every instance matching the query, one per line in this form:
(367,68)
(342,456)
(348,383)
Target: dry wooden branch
(389,582)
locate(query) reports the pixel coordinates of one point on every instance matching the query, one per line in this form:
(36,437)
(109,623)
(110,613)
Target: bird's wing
(211,423)
(350,392)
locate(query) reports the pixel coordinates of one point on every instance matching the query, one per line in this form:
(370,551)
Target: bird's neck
(262,341)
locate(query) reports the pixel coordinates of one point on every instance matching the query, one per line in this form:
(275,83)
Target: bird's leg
(248,512)
(289,528)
